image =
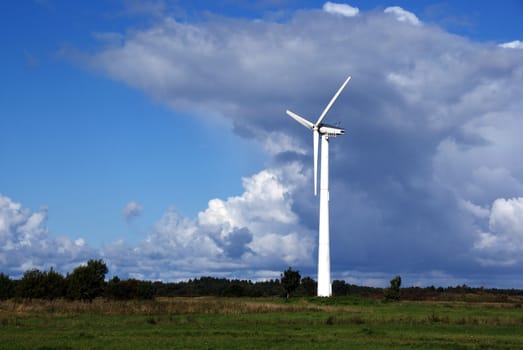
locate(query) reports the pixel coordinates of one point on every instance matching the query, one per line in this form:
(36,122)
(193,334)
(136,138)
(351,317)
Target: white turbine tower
(326,131)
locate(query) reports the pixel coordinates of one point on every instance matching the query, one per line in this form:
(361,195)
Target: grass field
(242,323)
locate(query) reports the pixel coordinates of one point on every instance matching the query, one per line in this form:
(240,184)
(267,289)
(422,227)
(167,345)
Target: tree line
(87,282)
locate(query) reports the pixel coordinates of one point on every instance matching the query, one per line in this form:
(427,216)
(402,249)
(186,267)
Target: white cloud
(516,44)
(266,199)
(25,243)
(403,15)
(131,210)
(340,9)
(507,217)
(503,244)
(265,211)
(506,231)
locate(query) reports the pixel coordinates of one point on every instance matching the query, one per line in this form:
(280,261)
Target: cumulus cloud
(516,44)
(132,210)
(257,230)
(340,9)
(507,217)
(403,15)
(432,140)
(25,243)
(503,244)
(264,200)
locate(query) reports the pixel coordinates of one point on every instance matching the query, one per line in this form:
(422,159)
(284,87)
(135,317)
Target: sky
(153,135)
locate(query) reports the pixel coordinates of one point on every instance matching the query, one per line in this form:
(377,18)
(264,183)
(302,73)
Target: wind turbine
(325,131)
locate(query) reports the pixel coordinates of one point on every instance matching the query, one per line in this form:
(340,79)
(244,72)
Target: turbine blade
(301,120)
(324,113)
(315,137)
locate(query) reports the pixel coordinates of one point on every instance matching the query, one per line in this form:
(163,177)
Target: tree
(309,286)
(340,287)
(393,292)
(114,289)
(128,289)
(235,289)
(41,284)
(32,284)
(54,284)
(86,282)
(7,287)
(290,280)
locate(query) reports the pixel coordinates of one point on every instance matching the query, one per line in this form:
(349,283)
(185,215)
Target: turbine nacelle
(330,130)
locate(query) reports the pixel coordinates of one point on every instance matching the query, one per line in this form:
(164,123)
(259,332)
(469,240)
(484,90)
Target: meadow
(260,323)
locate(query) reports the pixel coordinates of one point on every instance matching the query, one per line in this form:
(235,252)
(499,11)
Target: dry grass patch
(160,306)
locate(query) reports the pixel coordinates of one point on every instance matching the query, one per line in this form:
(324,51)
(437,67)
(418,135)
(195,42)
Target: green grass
(221,323)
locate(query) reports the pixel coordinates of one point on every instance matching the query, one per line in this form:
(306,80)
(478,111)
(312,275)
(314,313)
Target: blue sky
(152,134)
(72,134)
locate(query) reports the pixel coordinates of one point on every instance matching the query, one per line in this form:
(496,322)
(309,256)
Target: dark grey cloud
(237,243)
(432,120)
